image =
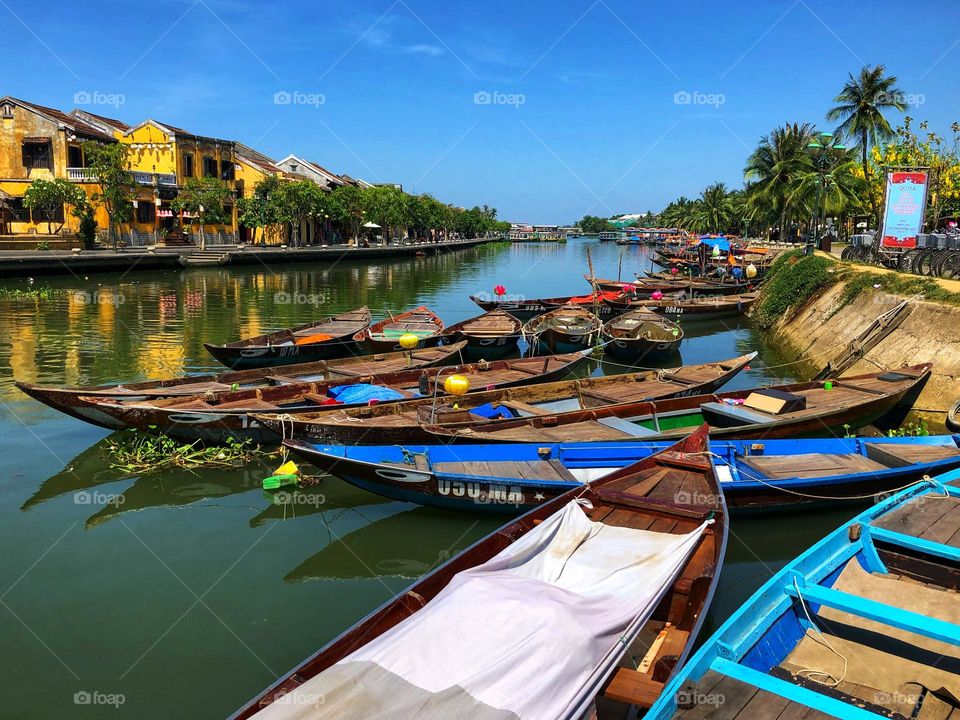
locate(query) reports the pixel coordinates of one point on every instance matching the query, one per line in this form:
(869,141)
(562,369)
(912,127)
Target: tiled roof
(112,122)
(73,123)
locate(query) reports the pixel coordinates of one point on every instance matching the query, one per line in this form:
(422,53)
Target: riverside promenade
(21,263)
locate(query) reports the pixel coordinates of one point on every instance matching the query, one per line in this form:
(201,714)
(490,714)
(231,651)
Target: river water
(181,594)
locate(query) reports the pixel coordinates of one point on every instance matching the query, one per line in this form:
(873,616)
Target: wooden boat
(644,287)
(385,335)
(796,410)
(329,338)
(863,625)
(756,476)
(527,309)
(690,309)
(348,677)
(567,329)
(215,416)
(641,334)
(488,335)
(404,421)
(67,400)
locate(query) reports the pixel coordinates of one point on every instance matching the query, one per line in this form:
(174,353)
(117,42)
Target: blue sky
(581,111)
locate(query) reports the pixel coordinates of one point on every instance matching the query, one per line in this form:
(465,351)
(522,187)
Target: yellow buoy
(456,384)
(288,468)
(751,270)
(408,341)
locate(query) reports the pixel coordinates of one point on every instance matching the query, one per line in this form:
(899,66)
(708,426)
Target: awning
(721,243)
(38,140)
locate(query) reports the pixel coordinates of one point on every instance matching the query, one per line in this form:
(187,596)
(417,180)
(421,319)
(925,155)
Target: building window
(74,156)
(18,212)
(209,166)
(226,170)
(146,211)
(188,165)
(37,155)
(6,110)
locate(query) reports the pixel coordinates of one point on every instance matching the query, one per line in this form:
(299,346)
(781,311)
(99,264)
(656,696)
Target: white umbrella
(370,224)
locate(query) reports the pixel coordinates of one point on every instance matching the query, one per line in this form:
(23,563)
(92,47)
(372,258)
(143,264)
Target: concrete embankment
(820,330)
(50,262)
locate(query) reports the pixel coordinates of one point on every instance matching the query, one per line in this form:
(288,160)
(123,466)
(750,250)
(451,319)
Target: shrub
(791,281)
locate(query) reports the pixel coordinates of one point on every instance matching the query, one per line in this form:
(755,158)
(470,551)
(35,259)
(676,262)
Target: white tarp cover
(527,635)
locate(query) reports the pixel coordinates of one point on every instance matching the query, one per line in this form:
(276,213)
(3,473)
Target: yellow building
(40,142)
(253,167)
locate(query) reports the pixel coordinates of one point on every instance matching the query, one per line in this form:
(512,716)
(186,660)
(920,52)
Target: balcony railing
(148,178)
(144,178)
(80,175)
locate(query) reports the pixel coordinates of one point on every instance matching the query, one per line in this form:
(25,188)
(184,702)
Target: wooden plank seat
(893,455)
(625,426)
(523,407)
(810,465)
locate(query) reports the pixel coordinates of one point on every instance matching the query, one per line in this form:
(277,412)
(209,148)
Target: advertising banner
(904,210)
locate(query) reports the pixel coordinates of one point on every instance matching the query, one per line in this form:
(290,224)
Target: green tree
(714,209)
(48,198)
(297,201)
(259,210)
(204,198)
(775,166)
(386,206)
(107,164)
(345,206)
(860,107)
(592,224)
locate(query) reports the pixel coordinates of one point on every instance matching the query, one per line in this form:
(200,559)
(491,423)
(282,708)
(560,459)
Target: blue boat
(517,477)
(864,625)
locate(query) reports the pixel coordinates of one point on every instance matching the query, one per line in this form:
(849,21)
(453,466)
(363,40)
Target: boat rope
(829,679)
(283,433)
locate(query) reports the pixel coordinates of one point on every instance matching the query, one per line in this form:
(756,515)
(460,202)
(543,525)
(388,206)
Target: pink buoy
(657,295)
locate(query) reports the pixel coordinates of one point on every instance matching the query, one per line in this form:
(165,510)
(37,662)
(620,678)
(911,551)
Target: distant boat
(494,333)
(610,236)
(384,336)
(327,338)
(863,625)
(540,618)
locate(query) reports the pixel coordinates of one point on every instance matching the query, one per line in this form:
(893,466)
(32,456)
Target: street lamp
(820,149)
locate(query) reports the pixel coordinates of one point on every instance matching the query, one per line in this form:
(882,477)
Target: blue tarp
(352,394)
(719,242)
(489,411)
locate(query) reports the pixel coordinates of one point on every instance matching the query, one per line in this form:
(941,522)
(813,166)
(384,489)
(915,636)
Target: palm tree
(714,211)
(835,187)
(780,158)
(860,110)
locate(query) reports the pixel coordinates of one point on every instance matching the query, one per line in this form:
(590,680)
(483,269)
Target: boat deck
(551,470)
(882,666)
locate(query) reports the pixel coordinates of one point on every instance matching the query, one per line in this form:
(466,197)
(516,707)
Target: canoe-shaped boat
(862,626)
(567,329)
(329,338)
(644,287)
(807,409)
(756,476)
(690,309)
(494,333)
(641,335)
(404,422)
(537,619)
(385,335)
(67,400)
(213,417)
(525,310)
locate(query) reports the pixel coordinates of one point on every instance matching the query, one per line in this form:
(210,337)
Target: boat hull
(391,472)
(251,358)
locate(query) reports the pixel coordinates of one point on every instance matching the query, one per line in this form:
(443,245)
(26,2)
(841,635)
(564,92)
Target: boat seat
(523,408)
(627,427)
(738,413)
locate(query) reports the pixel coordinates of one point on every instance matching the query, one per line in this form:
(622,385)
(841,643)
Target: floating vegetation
(137,452)
(38,293)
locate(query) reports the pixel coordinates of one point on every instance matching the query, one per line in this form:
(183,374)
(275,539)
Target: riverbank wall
(56,262)
(819,328)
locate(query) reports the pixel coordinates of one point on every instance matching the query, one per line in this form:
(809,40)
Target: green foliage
(592,224)
(48,197)
(43,245)
(260,209)
(856,283)
(911,429)
(40,293)
(791,281)
(108,164)
(138,452)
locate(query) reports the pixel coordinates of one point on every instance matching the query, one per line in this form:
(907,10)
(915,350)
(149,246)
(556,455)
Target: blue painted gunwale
(731,650)
(618,455)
